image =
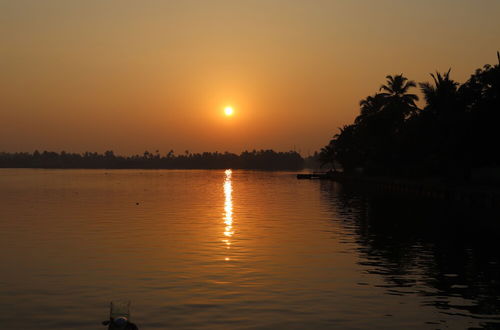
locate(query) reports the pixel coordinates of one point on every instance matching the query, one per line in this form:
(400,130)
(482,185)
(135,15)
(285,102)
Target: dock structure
(465,193)
(314,176)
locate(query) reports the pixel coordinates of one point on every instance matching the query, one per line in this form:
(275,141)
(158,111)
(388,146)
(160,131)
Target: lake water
(237,250)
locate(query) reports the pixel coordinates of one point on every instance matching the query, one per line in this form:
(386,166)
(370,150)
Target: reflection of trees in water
(423,247)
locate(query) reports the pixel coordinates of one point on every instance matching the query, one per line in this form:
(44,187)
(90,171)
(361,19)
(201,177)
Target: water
(237,250)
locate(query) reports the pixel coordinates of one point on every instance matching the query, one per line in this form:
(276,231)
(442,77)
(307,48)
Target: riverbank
(462,192)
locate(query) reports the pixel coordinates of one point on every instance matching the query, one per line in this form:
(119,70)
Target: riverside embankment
(456,191)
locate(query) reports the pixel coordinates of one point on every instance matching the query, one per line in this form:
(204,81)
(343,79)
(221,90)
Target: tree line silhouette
(262,159)
(456,129)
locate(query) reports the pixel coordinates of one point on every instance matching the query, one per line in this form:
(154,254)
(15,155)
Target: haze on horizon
(132,76)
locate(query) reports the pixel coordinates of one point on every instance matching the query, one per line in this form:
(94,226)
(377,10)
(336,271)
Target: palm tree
(442,96)
(397,87)
(347,147)
(327,155)
(370,106)
(397,96)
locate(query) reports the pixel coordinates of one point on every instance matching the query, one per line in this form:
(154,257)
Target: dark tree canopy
(455,131)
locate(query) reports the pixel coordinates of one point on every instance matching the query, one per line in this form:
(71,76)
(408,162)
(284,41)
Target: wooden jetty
(314,176)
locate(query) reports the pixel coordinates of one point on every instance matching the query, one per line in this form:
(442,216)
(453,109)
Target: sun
(228,111)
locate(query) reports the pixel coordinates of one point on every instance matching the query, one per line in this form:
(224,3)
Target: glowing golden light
(228,210)
(228,205)
(228,111)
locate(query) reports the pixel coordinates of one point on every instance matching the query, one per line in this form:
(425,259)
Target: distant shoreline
(250,160)
(151,169)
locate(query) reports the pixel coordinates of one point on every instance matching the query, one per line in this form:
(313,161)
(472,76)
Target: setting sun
(228,111)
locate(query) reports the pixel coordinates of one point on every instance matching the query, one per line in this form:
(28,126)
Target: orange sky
(146,75)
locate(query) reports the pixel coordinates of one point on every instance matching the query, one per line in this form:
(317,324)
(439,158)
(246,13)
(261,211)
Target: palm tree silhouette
(451,135)
(370,106)
(327,155)
(395,91)
(441,98)
(397,87)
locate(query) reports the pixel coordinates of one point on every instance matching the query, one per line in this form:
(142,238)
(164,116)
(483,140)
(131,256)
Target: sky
(130,76)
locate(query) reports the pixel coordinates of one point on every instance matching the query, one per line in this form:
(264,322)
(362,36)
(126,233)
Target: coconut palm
(441,97)
(327,155)
(395,91)
(346,144)
(370,106)
(397,87)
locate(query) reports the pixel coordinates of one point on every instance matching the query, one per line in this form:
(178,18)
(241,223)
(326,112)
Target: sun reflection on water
(228,210)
